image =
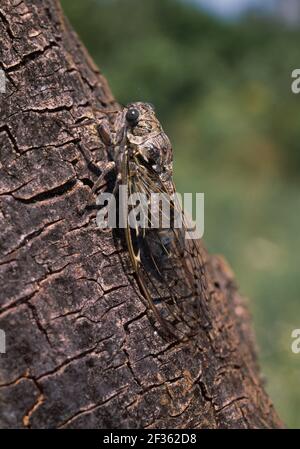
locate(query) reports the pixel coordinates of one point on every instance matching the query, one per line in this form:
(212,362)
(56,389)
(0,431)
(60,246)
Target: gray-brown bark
(81,351)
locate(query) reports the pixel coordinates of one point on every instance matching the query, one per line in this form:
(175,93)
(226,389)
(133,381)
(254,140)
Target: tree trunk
(80,350)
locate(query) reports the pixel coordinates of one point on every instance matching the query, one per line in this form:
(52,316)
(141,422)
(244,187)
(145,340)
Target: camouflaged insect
(169,268)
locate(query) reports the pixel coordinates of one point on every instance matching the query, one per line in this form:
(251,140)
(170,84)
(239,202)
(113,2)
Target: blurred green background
(222,90)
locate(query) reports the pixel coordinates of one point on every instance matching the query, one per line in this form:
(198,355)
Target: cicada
(169,268)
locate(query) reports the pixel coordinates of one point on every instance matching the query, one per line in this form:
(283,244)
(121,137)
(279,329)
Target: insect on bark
(169,268)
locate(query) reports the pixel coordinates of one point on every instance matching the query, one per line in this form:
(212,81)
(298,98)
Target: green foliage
(223,93)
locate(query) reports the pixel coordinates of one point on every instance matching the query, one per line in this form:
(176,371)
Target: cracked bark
(81,351)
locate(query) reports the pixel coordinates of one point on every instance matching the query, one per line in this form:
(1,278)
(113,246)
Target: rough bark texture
(81,351)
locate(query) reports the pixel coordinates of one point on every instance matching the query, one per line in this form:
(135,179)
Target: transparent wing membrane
(169,268)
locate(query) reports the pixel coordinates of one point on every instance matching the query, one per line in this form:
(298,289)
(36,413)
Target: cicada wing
(169,268)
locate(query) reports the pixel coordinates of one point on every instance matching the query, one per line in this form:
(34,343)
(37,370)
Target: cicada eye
(132,116)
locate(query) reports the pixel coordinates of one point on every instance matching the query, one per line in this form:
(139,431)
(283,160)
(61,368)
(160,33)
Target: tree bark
(80,350)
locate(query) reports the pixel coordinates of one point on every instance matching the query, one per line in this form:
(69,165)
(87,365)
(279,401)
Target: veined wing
(169,268)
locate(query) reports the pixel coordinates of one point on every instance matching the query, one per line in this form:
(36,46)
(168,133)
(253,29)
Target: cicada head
(146,138)
(141,120)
